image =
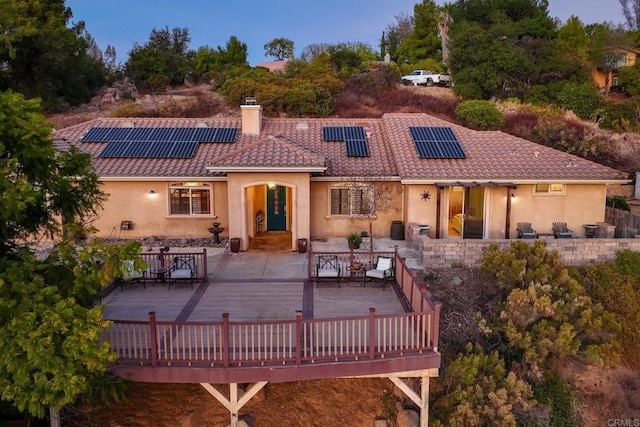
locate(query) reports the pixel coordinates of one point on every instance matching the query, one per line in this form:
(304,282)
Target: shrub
(583,99)
(556,393)
(468,90)
(478,388)
(620,117)
(616,285)
(618,202)
(547,316)
(129,110)
(479,115)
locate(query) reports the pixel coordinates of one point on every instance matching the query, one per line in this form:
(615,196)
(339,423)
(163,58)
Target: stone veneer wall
(447,253)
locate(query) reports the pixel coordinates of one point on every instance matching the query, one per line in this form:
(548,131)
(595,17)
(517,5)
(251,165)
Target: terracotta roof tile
(298,142)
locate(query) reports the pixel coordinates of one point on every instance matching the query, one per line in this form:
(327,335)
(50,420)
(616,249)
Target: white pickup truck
(425,77)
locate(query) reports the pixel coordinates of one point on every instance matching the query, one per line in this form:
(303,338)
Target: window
(190,198)
(354,199)
(549,189)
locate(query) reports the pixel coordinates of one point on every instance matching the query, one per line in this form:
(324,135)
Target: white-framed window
(189,198)
(351,199)
(552,188)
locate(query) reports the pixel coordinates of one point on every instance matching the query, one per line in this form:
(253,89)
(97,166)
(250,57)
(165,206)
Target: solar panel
(114,149)
(226,135)
(139,134)
(183,134)
(436,143)
(119,134)
(354,133)
(183,150)
(357,148)
(204,134)
(97,135)
(333,133)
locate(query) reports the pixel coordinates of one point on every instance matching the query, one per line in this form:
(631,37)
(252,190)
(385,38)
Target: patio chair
(130,274)
(525,231)
(383,271)
(560,231)
(184,268)
(327,269)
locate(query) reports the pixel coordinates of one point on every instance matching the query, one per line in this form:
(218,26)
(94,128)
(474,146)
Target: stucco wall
(131,201)
(242,213)
(450,252)
(323,224)
(581,204)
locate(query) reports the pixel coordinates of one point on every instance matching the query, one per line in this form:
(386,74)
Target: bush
(618,202)
(548,315)
(620,117)
(556,393)
(477,388)
(476,114)
(583,99)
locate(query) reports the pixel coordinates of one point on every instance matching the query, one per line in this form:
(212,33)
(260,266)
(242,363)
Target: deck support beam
(422,400)
(233,404)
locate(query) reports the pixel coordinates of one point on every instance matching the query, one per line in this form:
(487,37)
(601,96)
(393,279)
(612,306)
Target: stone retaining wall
(447,253)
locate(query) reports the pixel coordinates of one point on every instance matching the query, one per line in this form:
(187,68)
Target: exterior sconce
(513,196)
(151,193)
(425,195)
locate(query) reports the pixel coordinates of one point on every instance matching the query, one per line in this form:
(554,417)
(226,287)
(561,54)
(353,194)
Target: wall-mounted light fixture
(152,193)
(425,195)
(513,196)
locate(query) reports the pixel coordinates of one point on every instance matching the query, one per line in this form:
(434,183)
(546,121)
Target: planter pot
(590,230)
(354,245)
(234,244)
(302,246)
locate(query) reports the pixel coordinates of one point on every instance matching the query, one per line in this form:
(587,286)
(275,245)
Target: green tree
(280,48)
(50,331)
(165,55)
(424,40)
(499,47)
(222,63)
(42,56)
(608,48)
(348,58)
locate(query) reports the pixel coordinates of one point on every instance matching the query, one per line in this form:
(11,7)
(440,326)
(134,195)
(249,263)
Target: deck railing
(156,261)
(286,342)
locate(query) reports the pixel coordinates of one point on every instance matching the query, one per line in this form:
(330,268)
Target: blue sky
(121,23)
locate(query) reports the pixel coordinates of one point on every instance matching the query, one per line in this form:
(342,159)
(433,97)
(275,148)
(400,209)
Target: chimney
(251,116)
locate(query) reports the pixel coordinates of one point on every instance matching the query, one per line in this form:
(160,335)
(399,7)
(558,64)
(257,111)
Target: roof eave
(226,169)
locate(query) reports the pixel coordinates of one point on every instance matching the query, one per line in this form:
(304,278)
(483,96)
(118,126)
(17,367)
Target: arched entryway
(270,219)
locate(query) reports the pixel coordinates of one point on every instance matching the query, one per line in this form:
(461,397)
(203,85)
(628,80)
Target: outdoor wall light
(152,193)
(513,196)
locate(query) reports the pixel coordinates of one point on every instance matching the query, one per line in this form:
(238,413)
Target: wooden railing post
(205,263)
(225,340)
(372,333)
(435,326)
(309,258)
(298,337)
(154,338)
(414,284)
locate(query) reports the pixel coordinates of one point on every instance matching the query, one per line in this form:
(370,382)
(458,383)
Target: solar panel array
(354,137)
(436,143)
(157,142)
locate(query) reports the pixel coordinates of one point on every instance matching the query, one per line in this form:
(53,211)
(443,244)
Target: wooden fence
(627,224)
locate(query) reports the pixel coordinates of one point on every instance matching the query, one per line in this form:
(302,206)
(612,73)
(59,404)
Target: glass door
(473,227)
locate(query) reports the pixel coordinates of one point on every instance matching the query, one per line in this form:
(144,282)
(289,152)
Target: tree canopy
(280,48)
(42,57)
(50,330)
(163,59)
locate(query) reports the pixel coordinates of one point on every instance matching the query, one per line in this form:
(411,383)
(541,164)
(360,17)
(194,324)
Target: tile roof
(297,143)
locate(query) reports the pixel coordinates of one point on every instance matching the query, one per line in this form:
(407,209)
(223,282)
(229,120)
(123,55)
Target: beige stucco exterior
(236,203)
(149,213)
(323,224)
(242,187)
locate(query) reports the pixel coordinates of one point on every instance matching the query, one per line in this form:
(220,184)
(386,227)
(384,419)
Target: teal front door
(276,208)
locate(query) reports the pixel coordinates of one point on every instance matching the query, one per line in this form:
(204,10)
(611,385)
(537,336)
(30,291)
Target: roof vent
(302,126)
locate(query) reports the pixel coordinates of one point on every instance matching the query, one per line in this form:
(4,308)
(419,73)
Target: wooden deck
(227,331)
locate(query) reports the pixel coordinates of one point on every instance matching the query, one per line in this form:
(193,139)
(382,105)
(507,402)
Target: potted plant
(354,240)
(364,234)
